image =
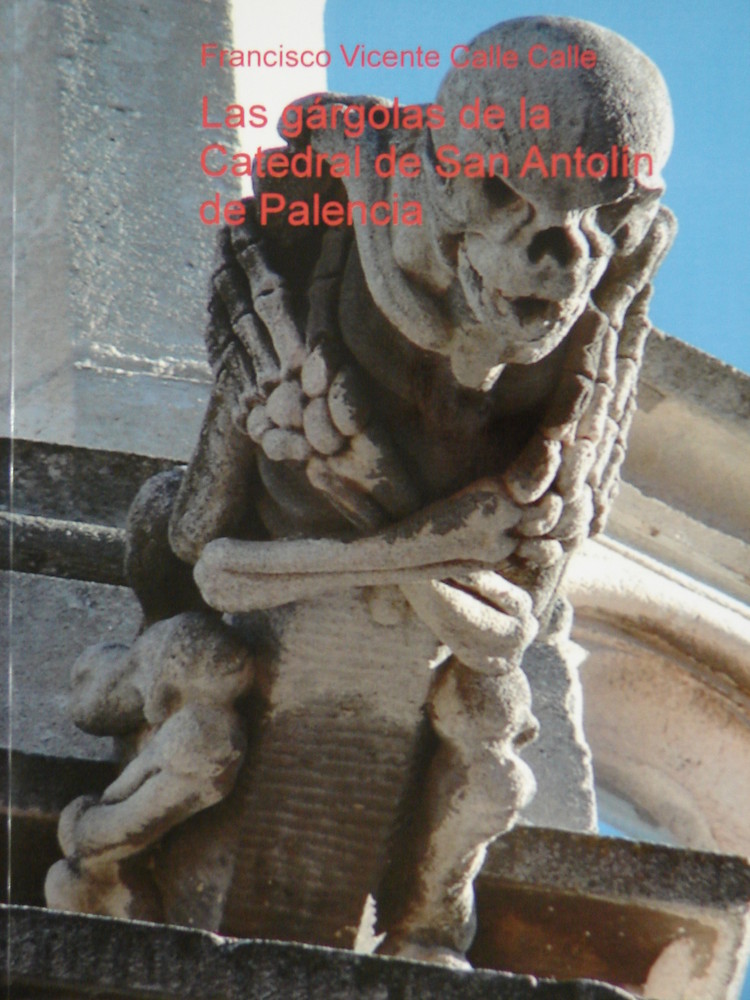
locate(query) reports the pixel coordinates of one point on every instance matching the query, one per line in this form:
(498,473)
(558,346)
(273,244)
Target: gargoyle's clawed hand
(255,300)
(567,476)
(321,417)
(487,622)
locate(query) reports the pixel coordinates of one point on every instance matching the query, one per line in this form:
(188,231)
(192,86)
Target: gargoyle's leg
(475,786)
(473,783)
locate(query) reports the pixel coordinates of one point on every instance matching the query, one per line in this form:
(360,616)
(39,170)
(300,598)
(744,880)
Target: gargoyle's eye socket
(498,193)
(627,221)
(610,218)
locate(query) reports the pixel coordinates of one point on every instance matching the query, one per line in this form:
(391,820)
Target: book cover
(132,131)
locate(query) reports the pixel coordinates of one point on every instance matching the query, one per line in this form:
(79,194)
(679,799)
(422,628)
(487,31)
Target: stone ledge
(550,905)
(689,445)
(662,921)
(59,955)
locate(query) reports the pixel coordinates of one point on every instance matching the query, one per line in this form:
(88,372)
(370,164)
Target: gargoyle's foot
(475,786)
(122,890)
(434,954)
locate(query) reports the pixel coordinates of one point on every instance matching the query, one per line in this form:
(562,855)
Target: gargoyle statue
(411,427)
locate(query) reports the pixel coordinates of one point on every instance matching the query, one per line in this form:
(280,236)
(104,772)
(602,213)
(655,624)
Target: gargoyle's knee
(163,583)
(484,721)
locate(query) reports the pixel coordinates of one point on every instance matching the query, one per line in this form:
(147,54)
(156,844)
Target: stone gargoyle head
(504,264)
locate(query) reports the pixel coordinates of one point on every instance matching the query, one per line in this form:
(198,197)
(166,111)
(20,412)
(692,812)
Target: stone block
(660,921)
(107,324)
(55,956)
(53,620)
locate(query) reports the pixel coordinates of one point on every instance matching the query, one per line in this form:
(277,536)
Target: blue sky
(702,290)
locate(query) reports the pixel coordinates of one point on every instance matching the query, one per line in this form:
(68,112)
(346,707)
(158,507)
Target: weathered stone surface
(33,791)
(691,432)
(52,623)
(105,322)
(178,683)
(69,483)
(680,457)
(560,756)
(58,955)
(670,924)
(666,923)
(666,686)
(465,435)
(520,883)
(69,508)
(44,652)
(7,19)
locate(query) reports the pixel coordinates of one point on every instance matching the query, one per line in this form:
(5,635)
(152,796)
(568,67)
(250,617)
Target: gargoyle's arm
(216,492)
(469,531)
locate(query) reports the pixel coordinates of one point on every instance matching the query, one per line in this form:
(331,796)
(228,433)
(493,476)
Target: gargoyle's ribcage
(324,464)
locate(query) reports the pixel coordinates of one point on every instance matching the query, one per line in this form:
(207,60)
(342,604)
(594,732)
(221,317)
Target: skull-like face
(502,266)
(513,272)
(512,260)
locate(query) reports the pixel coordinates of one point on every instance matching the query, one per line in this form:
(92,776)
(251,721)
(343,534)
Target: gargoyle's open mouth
(529,309)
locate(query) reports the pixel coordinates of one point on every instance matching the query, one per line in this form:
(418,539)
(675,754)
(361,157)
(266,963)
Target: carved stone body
(410,431)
